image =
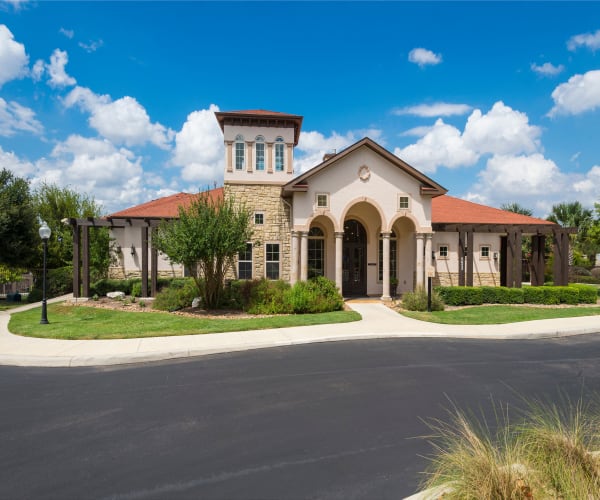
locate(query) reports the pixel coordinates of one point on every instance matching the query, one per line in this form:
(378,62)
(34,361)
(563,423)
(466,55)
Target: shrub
(460,295)
(568,294)
(59,281)
(551,295)
(579,271)
(515,296)
(35,295)
(103,286)
(136,289)
(417,301)
(587,294)
(316,295)
(268,297)
(489,294)
(533,295)
(176,297)
(591,280)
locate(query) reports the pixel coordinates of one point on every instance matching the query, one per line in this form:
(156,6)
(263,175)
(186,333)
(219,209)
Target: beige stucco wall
(342,182)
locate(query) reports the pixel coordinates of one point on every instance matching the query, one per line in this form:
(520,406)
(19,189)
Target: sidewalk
(378,322)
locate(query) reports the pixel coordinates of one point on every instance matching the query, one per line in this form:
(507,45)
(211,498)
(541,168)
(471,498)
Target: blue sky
(498,102)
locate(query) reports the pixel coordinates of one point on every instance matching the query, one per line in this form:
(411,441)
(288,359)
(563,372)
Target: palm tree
(573,215)
(516,208)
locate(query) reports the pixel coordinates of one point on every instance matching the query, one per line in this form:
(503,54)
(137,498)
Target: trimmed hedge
(468,295)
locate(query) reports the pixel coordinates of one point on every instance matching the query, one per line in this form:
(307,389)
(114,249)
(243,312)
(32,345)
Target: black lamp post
(45,233)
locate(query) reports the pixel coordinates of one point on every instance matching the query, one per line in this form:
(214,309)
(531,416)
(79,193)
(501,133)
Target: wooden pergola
(81,251)
(511,253)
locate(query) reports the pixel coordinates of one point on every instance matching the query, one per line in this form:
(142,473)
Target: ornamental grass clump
(549,453)
(417,301)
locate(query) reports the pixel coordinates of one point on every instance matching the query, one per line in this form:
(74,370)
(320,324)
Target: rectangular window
(393,259)
(272,261)
(485,252)
(259,218)
(279,149)
(403,203)
(245,263)
(316,257)
(260,156)
(322,200)
(443,251)
(239,155)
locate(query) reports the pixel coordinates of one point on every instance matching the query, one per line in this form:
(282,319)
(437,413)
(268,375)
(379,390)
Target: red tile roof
(166,207)
(449,210)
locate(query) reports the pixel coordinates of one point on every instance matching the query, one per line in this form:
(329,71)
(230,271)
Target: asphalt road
(335,421)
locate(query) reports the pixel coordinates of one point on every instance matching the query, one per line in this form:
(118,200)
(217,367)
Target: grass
(548,453)
(85,323)
(498,314)
(6,305)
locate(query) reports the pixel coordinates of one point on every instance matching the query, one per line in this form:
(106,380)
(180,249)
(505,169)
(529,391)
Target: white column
(386,267)
(339,245)
(420,269)
(303,255)
(294,267)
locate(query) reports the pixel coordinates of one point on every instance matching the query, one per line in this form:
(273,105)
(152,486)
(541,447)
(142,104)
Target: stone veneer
(265,198)
(479,279)
(120,273)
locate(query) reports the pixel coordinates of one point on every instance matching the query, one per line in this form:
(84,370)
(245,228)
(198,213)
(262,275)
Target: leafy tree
(517,209)
(53,204)
(18,222)
(205,239)
(574,215)
(10,274)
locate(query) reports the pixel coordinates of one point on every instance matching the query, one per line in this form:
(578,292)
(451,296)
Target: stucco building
(362,217)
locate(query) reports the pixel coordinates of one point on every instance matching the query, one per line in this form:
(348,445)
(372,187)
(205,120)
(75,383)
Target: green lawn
(492,315)
(5,306)
(80,322)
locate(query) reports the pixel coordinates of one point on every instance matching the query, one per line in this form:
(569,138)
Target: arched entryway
(354,259)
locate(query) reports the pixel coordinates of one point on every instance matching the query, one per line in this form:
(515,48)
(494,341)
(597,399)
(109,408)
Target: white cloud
(92,46)
(443,145)
(13,59)
(500,131)
(17,166)
(423,57)
(124,121)
(37,71)
(56,70)
(16,118)
(199,148)
(579,94)
(312,146)
(547,69)
(588,187)
(589,40)
(68,33)
(434,110)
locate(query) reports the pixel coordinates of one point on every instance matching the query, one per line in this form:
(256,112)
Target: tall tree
(574,215)
(517,209)
(18,222)
(205,239)
(53,204)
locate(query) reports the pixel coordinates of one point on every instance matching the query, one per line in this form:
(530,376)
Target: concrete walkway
(378,322)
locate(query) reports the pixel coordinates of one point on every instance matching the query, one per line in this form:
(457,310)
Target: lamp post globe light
(45,233)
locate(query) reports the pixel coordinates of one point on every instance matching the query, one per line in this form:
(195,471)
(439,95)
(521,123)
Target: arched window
(393,256)
(240,151)
(260,152)
(279,154)
(316,252)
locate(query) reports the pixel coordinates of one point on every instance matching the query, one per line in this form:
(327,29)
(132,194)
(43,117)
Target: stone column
(294,263)
(228,155)
(249,156)
(303,255)
(420,270)
(339,246)
(269,157)
(289,149)
(386,267)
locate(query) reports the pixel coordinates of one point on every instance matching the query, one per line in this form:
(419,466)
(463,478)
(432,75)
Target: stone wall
(266,199)
(120,273)
(479,279)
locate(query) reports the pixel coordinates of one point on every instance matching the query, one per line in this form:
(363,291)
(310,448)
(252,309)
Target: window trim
(239,141)
(251,261)
(317,195)
(408,202)
(263,218)
(439,251)
(273,261)
(260,140)
(489,252)
(279,145)
(322,239)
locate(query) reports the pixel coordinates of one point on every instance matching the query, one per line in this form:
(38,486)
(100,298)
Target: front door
(354,273)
